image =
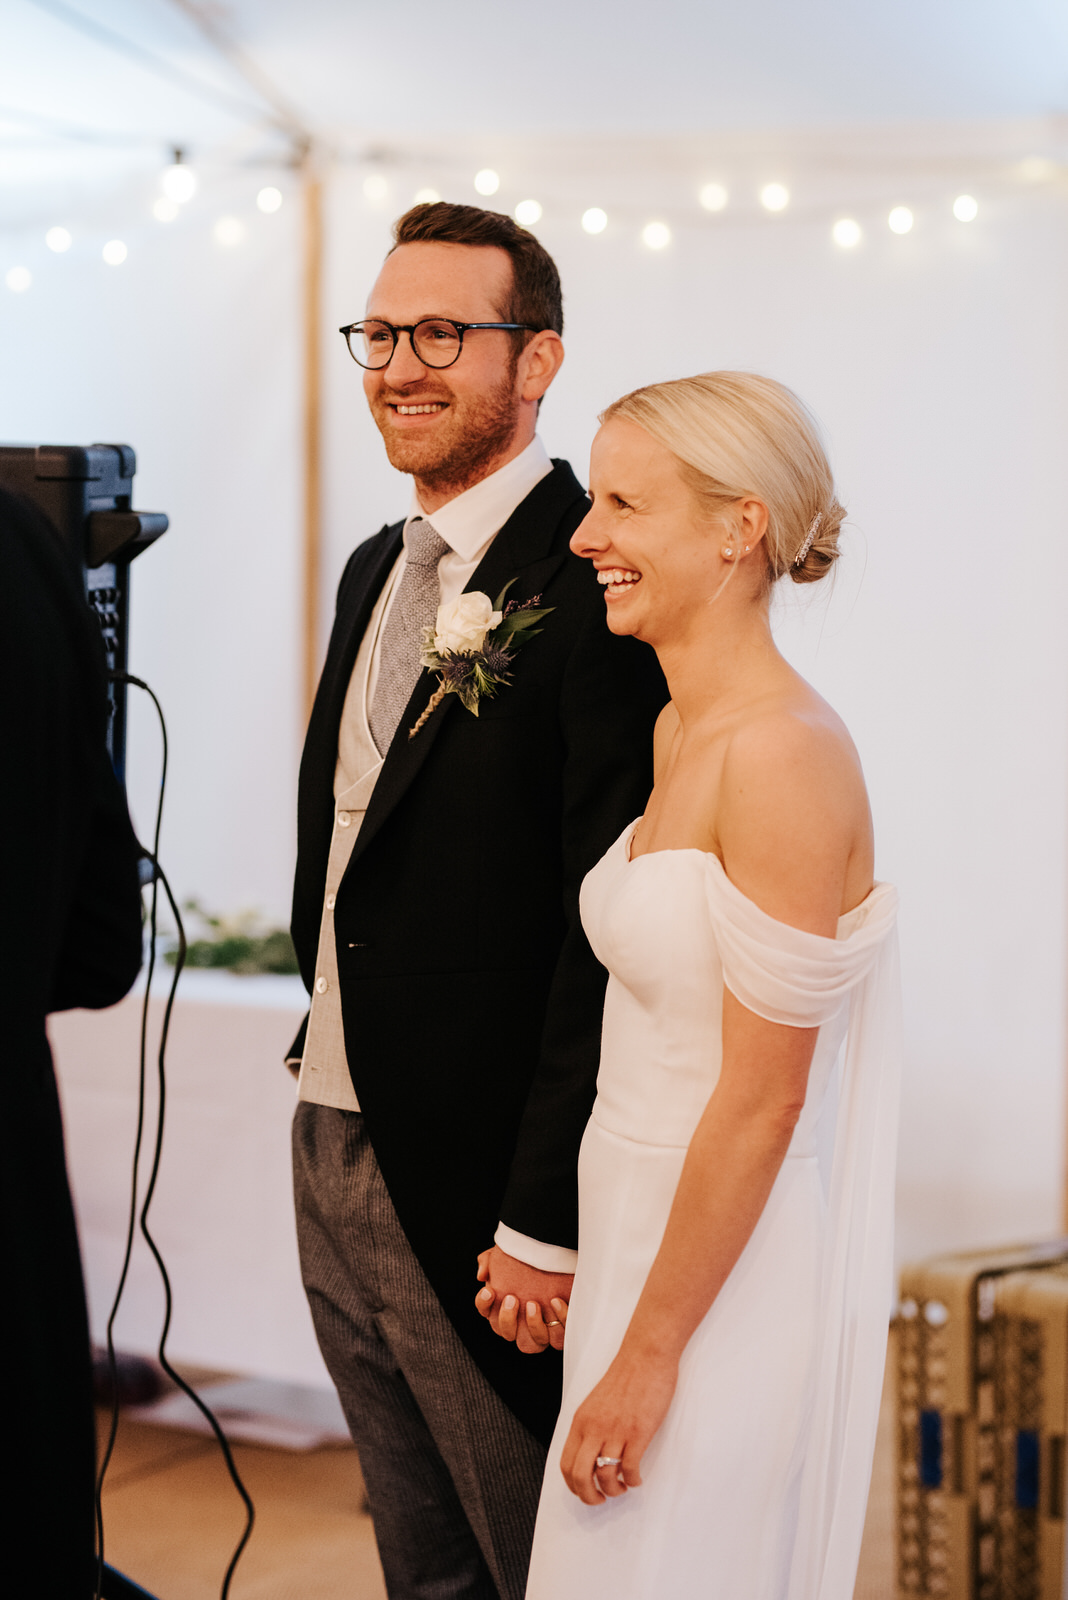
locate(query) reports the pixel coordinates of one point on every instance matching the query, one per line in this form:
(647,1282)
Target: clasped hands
(522,1304)
(612,1428)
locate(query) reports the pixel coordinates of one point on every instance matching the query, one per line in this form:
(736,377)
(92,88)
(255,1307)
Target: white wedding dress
(755,1486)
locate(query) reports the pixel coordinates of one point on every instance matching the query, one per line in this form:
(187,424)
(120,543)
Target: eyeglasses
(436,341)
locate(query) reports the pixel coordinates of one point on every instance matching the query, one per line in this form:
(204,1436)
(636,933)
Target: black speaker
(86,491)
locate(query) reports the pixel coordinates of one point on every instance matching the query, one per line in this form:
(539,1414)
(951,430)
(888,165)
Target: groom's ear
(538,364)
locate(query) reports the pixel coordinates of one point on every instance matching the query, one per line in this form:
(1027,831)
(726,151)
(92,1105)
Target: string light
(229,231)
(846,233)
(179,183)
(656,235)
(1037,169)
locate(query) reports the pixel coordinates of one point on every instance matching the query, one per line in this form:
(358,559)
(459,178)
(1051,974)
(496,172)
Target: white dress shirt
(468,524)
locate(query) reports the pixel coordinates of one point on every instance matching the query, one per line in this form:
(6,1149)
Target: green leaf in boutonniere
(472,645)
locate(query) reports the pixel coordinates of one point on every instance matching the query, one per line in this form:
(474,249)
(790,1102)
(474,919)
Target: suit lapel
(523,549)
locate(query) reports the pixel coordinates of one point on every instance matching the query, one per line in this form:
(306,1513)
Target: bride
(726,1335)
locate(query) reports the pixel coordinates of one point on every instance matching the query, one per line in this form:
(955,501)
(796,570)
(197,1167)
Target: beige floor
(172,1519)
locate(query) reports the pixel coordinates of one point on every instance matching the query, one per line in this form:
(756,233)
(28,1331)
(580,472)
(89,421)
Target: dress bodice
(673,930)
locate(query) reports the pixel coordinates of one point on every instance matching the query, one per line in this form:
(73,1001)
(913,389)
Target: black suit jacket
(471,999)
(70,935)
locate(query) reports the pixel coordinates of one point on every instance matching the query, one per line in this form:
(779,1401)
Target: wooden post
(312,541)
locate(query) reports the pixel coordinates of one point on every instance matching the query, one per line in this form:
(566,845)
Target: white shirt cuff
(535,1253)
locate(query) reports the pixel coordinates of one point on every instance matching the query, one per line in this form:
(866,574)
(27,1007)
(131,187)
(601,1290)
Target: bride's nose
(588,538)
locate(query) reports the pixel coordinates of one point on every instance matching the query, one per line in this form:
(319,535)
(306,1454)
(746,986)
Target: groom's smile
(450,426)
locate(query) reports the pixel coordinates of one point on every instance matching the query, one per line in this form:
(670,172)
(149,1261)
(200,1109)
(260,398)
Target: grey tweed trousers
(452,1476)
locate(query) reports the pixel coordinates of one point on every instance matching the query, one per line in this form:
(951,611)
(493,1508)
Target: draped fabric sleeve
(804,980)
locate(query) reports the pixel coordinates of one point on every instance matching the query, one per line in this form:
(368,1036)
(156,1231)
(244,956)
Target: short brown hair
(536,294)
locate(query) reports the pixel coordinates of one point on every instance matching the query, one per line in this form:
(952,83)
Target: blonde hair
(736,434)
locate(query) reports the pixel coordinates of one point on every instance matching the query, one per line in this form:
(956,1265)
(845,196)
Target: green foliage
(237,944)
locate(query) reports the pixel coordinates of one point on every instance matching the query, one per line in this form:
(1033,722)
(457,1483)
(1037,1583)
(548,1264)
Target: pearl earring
(727,553)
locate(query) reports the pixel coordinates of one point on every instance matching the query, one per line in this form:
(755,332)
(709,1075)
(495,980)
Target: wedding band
(609,1461)
(556,1323)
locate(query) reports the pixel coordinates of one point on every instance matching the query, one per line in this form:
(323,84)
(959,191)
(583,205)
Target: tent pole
(312,318)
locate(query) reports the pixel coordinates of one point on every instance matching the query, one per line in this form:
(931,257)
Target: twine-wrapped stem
(431,706)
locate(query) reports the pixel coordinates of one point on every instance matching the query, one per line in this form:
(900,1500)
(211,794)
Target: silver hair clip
(813,529)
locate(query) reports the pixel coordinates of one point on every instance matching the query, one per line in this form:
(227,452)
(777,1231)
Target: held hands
(522,1304)
(614,1426)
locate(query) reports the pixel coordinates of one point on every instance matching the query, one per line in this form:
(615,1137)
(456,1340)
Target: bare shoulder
(793,821)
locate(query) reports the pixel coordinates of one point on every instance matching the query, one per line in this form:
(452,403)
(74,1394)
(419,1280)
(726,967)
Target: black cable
(131,1226)
(158,877)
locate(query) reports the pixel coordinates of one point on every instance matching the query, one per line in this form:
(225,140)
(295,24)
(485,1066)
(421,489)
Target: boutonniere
(472,645)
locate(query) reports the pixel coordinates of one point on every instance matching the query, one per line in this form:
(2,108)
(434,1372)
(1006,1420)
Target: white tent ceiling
(395,76)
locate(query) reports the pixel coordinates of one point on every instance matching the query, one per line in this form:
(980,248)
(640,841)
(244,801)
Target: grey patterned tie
(414,608)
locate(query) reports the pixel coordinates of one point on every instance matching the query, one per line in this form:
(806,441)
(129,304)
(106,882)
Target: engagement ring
(609,1461)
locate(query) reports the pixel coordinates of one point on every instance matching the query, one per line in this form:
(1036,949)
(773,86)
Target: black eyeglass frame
(410,327)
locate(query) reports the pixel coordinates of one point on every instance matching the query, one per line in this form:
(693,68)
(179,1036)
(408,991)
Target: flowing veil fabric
(802,980)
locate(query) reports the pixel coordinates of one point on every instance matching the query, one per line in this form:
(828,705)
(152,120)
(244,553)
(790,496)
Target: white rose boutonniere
(463,624)
(472,645)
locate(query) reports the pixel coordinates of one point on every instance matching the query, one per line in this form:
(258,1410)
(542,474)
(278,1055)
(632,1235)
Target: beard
(475,432)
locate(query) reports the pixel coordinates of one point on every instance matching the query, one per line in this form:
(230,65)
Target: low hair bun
(823,551)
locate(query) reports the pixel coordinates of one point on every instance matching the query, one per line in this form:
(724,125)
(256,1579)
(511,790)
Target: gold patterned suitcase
(951,1473)
(1030,1394)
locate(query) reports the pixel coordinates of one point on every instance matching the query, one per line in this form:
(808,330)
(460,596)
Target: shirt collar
(469,522)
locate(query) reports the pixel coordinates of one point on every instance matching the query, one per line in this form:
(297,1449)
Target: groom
(447,1065)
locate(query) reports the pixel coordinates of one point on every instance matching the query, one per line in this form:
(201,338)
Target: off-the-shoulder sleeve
(803,980)
(784,974)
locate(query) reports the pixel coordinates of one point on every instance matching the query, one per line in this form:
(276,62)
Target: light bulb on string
(58,239)
(179,181)
(375,188)
(269,200)
(114,252)
(1037,169)
(900,220)
(229,231)
(713,197)
(527,213)
(846,233)
(487,181)
(425,197)
(594,220)
(775,197)
(656,235)
(164,210)
(18,279)
(965,208)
